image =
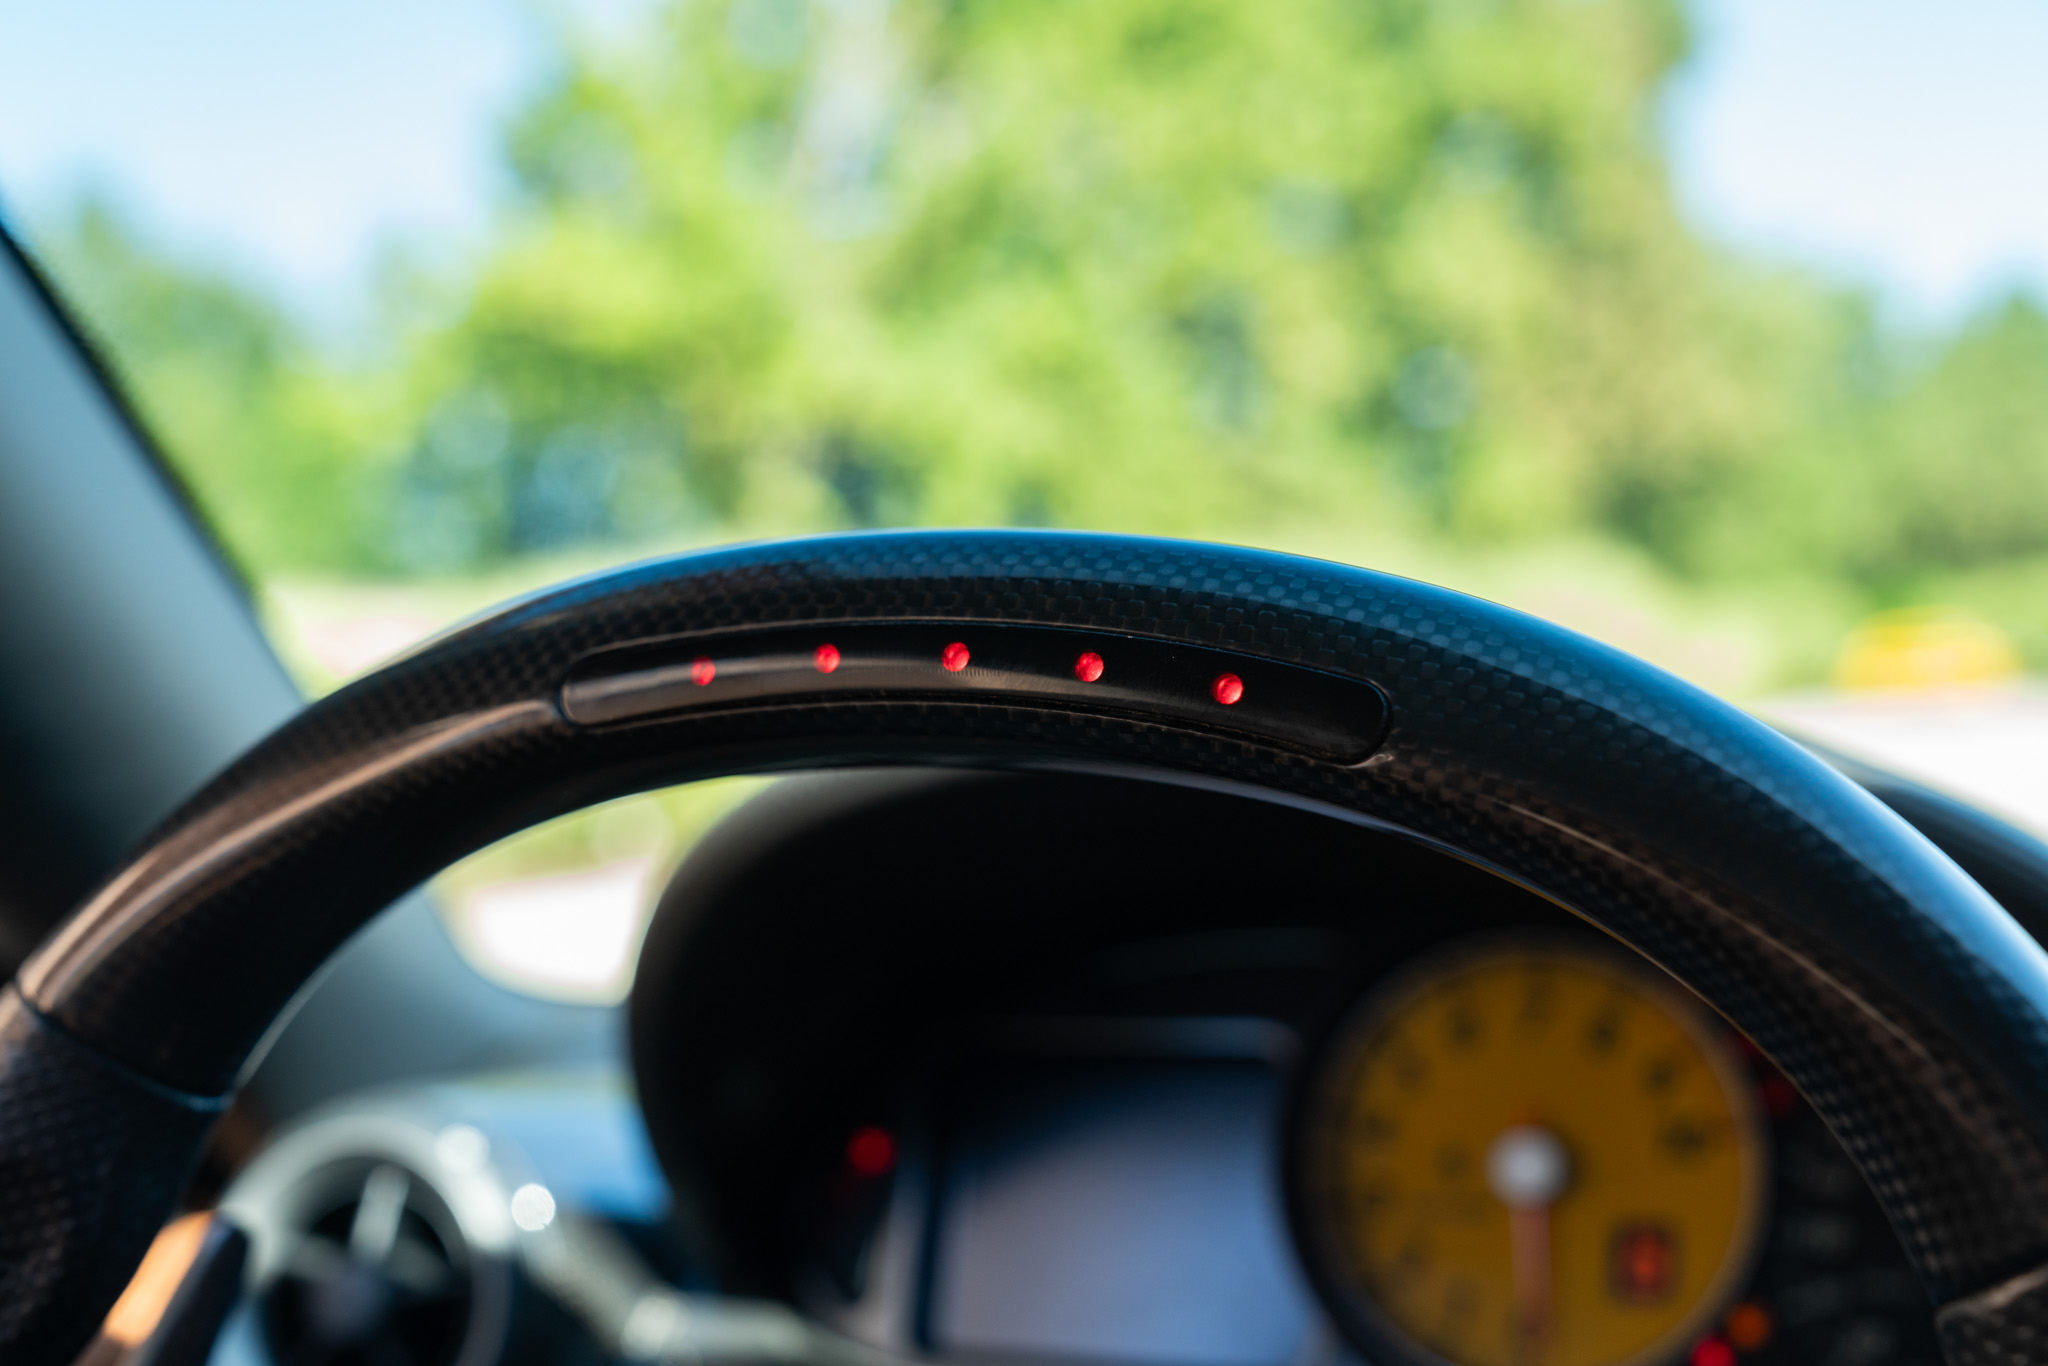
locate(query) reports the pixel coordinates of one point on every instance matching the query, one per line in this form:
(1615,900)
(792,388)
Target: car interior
(1146,953)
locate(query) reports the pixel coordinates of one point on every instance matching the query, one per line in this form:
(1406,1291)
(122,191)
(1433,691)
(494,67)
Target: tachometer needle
(1527,1168)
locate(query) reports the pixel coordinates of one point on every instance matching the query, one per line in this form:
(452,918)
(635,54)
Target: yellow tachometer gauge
(1530,1153)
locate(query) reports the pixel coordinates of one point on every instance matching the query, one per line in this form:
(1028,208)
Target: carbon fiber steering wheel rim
(1905,1004)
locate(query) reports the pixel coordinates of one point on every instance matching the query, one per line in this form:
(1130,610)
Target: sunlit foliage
(1177,266)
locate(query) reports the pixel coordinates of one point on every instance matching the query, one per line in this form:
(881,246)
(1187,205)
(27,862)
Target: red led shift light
(1712,1352)
(871,1151)
(1178,682)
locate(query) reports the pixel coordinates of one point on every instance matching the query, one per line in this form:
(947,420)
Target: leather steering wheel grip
(1910,1009)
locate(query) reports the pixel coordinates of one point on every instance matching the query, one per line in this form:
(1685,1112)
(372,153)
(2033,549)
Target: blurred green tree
(271,440)
(1179,266)
(1155,265)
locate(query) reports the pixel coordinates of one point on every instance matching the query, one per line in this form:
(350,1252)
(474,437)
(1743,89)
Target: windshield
(1711,329)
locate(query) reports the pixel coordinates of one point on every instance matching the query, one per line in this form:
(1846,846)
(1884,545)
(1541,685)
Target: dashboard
(990,1069)
(1125,1124)
(1217,1190)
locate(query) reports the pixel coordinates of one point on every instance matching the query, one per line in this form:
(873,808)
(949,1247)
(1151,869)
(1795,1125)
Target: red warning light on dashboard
(1227,689)
(871,1151)
(954,657)
(1088,667)
(702,671)
(826,658)
(1643,1266)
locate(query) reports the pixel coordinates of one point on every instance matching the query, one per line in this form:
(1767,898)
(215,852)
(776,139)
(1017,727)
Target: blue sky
(1903,142)
(1899,142)
(291,138)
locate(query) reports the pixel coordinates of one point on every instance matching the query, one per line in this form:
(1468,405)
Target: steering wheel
(1905,1004)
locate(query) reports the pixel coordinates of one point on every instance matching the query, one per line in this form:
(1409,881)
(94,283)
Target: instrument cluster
(1518,1148)
(1538,1152)
(1165,1077)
